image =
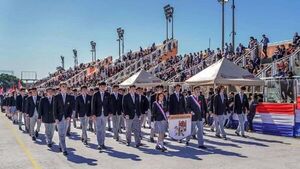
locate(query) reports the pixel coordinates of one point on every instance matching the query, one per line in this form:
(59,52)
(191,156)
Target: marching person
(132,114)
(32,110)
(194,105)
(19,105)
(177,102)
(13,108)
(116,110)
(83,111)
(220,105)
(73,94)
(25,104)
(159,114)
(241,106)
(159,89)
(46,115)
(100,110)
(91,122)
(144,105)
(62,108)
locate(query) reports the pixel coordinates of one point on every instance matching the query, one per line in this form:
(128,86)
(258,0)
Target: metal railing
(155,55)
(272,67)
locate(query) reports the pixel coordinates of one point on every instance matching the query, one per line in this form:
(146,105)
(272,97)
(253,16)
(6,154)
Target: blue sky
(34,33)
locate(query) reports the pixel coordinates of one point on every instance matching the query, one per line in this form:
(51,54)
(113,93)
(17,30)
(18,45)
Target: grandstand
(162,61)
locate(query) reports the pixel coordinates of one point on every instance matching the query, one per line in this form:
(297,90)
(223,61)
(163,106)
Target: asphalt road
(258,151)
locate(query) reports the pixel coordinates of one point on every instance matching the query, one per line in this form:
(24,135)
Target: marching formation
(121,109)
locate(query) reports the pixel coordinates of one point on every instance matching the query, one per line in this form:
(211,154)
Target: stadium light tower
(233,33)
(75,58)
(93,50)
(120,39)
(62,62)
(169,11)
(222,2)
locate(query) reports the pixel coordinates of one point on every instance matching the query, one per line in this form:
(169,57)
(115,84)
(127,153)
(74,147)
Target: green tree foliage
(8,81)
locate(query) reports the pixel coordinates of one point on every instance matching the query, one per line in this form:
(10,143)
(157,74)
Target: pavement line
(34,164)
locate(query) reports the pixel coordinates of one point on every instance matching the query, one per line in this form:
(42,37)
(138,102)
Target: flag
(20,85)
(91,71)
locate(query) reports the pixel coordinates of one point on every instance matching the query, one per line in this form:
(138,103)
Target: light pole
(75,58)
(169,11)
(62,62)
(93,46)
(223,21)
(233,25)
(120,39)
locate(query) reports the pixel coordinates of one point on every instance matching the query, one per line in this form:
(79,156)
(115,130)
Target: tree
(8,81)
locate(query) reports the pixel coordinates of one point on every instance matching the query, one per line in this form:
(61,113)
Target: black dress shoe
(49,145)
(68,134)
(152,140)
(33,138)
(36,134)
(164,149)
(158,147)
(244,136)
(128,144)
(202,147)
(237,133)
(187,143)
(109,129)
(218,136)
(65,153)
(194,137)
(99,148)
(103,146)
(137,145)
(20,128)
(81,139)
(85,143)
(180,141)
(117,139)
(60,149)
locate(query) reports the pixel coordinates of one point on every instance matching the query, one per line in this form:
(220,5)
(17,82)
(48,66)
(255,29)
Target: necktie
(101,96)
(177,95)
(132,96)
(49,98)
(241,97)
(84,99)
(64,98)
(34,99)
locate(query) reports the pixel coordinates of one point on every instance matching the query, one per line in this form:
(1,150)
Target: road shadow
(74,158)
(122,155)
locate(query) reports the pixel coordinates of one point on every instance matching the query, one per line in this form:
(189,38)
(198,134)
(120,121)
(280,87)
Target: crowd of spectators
(176,68)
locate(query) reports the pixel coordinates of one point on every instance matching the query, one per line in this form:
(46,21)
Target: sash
(196,102)
(161,110)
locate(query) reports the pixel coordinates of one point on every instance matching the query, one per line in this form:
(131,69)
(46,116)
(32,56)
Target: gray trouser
(62,127)
(33,121)
(49,131)
(100,129)
(241,127)
(20,118)
(122,122)
(116,125)
(91,123)
(133,125)
(84,123)
(109,122)
(219,122)
(27,123)
(149,117)
(199,131)
(74,119)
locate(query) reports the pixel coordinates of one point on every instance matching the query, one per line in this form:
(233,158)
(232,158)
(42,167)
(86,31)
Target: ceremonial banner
(180,126)
(297,118)
(275,118)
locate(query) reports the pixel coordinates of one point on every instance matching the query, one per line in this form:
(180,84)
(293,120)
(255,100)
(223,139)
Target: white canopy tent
(225,72)
(142,78)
